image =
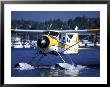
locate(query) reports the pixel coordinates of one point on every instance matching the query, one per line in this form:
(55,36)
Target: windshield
(53,33)
(47,32)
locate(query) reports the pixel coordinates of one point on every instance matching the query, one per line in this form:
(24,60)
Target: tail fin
(75,40)
(76,28)
(72,41)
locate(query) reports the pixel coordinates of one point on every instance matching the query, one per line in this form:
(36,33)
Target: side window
(59,36)
(63,39)
(67,39)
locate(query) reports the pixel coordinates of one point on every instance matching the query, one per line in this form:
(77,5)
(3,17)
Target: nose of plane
(43,42)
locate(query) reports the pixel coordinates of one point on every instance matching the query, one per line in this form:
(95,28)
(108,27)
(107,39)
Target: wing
(27,31)
(60,31)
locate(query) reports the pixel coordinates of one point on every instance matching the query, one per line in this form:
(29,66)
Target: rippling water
(86,64)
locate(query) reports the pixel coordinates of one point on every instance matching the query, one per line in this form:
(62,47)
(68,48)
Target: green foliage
(57,24)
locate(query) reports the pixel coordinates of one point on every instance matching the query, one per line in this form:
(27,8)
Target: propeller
(43,42)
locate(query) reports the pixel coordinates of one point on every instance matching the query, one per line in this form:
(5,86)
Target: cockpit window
(47,32)
(59,36)
(53,33)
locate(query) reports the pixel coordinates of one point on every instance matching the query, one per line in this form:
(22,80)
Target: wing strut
(61,57)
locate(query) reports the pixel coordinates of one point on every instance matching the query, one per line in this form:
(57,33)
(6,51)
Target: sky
(47,15)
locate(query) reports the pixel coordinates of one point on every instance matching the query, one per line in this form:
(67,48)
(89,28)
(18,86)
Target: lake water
(86,64)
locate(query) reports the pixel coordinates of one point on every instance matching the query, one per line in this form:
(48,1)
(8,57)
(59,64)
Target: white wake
(74,70)
(69,69)
(24,66)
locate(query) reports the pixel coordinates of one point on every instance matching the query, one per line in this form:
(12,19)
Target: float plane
(58,42)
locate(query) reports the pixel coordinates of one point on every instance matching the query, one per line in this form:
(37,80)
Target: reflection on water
(54,73)
(25,69)
(47,72)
